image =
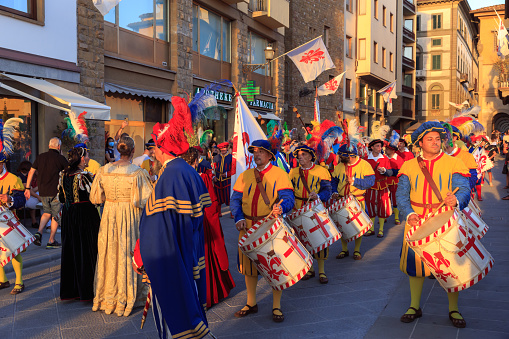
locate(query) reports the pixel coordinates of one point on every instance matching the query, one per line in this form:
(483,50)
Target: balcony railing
(408,34)
(408,5)
(408,63)
(407,90)
(271,13)
(408,113)
(463,77)
(420,73)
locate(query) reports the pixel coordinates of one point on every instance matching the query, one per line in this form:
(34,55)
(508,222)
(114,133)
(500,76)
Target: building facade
(379,45)
(493,72)
(447,58)
(308,20)
(160,48)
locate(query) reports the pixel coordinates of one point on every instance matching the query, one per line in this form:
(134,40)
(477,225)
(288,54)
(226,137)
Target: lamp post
(269,56)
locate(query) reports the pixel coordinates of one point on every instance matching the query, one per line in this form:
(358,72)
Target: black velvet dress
(80,229)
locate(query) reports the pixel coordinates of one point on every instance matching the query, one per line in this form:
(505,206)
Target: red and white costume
(378,202)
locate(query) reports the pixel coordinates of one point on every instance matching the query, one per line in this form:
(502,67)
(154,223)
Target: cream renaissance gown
(124,190)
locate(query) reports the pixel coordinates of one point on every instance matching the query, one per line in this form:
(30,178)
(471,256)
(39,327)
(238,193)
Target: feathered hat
(7,130)
(323,136)
(351,138)
(204,103)
(393,141)
(76,127)
(427,127)
(170,137)
(378,133)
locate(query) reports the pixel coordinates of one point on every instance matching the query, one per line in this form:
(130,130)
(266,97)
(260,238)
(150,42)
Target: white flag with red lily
(311,59)
(246,130)
(104,6)
(331,86)
(389,93)
(316,114)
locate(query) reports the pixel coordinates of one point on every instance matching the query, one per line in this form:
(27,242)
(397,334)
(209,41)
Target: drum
(14,237)
(350,218)
(278,254)
(475,223)
(452,253)
(314,227)
(474,207)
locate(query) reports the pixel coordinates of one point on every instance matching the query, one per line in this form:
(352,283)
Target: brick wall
(182,44)
(91,63)
(307,21)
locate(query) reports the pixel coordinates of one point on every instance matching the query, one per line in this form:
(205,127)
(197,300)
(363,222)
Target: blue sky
(475,4)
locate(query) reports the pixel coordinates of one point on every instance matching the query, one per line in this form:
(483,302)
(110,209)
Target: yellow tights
(17,265)
(357,248)
(251,283)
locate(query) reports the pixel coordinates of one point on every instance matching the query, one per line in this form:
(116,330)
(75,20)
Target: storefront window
(257,53)
(22,141)
(211,34)
(138,16)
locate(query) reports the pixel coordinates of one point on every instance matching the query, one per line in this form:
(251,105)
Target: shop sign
(228,97)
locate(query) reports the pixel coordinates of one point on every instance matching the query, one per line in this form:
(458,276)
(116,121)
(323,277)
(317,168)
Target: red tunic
(219,279)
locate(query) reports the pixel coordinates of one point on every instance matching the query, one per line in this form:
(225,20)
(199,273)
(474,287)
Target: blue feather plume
(204,100)
(394,139)
(478,128)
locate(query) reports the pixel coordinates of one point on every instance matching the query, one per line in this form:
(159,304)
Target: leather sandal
(357,255)
(323,278)
(459,323)
(276,317)
(369,233)
(397,222)
(18,288)
(506,197)
(5,285)
(380,234)
(342,254)
(309,275)
(250,310)
(408,318)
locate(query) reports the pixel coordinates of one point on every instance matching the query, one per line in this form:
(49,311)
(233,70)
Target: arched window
(435,97)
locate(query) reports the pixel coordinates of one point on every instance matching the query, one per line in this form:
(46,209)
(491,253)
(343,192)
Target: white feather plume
(8,134)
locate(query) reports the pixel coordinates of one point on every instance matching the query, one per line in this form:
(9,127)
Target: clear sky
(475,4)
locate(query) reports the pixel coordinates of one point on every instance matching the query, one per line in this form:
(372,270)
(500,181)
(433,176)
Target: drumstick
(443,202)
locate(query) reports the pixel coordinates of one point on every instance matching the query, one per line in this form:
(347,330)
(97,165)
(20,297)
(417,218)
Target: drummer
(252,202)
(416,198)
(317,185)
(11,196)
(352,175)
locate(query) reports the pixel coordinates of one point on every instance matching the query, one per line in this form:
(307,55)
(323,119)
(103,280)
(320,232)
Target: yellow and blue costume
(364,178)
(415,195)
(11,185)
(319,181)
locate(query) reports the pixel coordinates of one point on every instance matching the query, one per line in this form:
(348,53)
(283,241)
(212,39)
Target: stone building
(379,45)
(447,58)
(130,63)
(493,79)
(308,20)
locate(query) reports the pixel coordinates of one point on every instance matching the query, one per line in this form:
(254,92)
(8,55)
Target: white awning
(265,115)
(114,88)
(75,102)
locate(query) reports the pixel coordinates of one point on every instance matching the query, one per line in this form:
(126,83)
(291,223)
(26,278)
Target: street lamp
(269,56)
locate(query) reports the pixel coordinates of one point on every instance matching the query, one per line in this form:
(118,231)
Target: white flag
(246,130)
(502,40)
(389,93)
(331,86)
(459,106)
(104,6)
(311,59)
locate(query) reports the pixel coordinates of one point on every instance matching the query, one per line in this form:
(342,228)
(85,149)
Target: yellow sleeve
(239,184)
(459,166)
(367,169)
(141,189)
(325,174)
(146,165)
(18,185)
(283,180)
(97,195)
(470,163)
(335,173)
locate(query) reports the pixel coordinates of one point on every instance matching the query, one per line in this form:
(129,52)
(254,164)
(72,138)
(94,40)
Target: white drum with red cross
(475,223)
(351,219)
(279,256)
(450,250)
(314,227)
(14,237)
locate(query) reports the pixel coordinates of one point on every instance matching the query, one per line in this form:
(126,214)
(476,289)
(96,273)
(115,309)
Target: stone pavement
(363,298)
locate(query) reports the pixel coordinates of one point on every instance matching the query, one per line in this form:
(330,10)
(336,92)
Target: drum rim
(255,228)
(339,204)
(432,236)
(305,208)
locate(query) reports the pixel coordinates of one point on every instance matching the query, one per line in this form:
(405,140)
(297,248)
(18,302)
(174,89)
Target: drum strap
(429,178)
(260,187)
(303,179)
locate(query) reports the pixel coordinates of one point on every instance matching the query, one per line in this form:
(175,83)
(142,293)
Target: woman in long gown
(80,228)
(124,189)
(219,279)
